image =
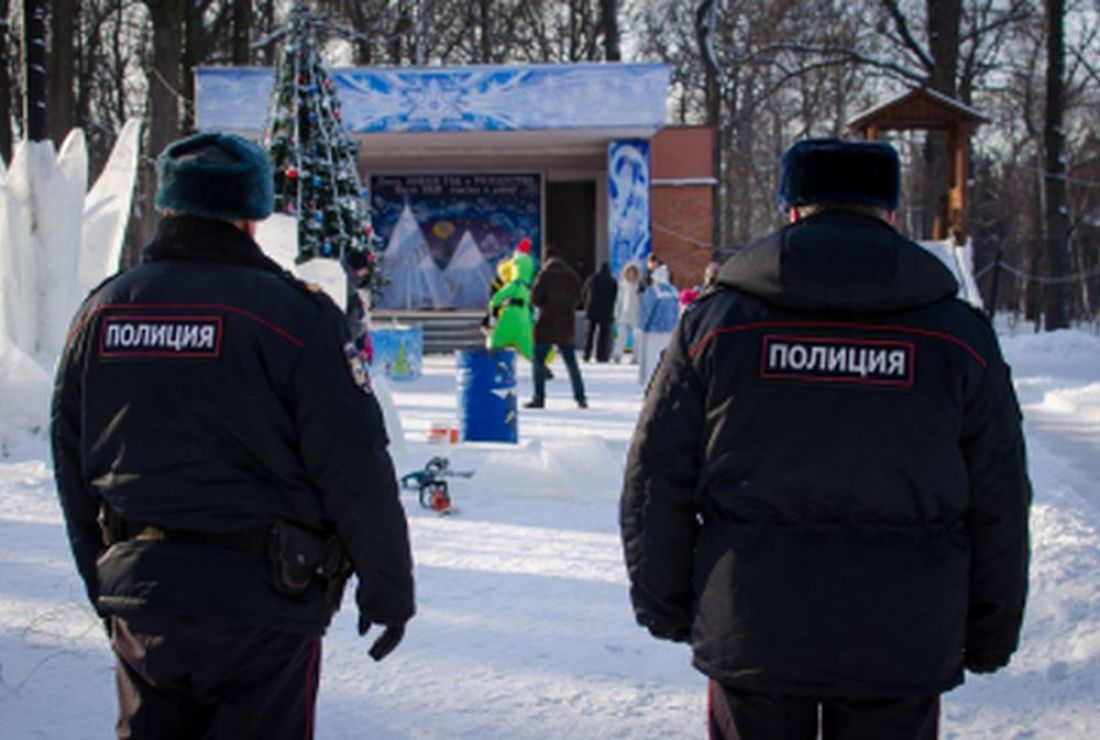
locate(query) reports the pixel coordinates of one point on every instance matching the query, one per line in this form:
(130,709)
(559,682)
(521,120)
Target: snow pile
(104,229)
(960,260)
(1081,402)
(55,244)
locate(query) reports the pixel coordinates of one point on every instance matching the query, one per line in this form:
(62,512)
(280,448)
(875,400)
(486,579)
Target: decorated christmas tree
(316,179)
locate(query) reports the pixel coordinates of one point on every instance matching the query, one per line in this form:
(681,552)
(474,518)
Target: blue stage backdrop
(496,209)
(534,97)
(628,186)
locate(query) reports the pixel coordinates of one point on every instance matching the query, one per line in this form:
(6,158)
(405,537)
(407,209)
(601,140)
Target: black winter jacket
(598,295)
(208,391)
(555,292)
(826,492)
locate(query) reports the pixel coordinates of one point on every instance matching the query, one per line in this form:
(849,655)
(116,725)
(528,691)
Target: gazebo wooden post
(958,150)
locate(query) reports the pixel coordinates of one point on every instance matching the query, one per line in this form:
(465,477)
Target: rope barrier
(683,237)
(1042,280)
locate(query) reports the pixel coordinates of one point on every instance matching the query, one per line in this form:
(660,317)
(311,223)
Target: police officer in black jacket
(826,493)
(222,466)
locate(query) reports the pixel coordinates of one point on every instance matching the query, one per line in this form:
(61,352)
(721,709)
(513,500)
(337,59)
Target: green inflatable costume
(511,305)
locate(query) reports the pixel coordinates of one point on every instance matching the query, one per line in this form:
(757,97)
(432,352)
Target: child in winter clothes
(628,304)
(660,311)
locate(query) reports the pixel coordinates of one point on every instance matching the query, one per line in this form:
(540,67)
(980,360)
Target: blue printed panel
(481,98)
(628,219)
(398,351)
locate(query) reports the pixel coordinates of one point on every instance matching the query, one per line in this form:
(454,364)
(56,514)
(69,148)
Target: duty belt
(250,541)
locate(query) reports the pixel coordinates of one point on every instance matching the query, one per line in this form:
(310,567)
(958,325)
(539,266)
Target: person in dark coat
(357,267)
(598,296)
(221,465)
(826,494)
(555,293)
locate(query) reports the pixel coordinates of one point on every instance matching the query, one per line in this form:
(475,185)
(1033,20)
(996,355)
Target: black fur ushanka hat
(218,176)
(839,172)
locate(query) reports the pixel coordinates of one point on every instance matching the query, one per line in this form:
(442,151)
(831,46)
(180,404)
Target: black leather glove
(978,663)
(387,641)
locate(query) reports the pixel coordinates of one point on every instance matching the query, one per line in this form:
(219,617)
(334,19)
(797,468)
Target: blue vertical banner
(629,236)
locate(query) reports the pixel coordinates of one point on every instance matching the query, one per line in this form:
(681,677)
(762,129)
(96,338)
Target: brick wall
(682,166)
(681,223)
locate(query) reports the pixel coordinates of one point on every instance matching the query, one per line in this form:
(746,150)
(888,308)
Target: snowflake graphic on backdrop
(437,102)
(476,98)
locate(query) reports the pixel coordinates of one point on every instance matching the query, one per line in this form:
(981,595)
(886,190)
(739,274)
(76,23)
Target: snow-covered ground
(524,628)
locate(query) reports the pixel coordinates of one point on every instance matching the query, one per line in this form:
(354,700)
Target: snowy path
(524,629)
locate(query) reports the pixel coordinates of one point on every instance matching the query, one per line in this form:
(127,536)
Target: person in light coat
(659,311)
(628,307)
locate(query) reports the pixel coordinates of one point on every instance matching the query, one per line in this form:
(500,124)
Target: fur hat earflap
(218,176)
(839,172)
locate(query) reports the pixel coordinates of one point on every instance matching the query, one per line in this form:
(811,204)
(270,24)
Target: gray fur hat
(218,176)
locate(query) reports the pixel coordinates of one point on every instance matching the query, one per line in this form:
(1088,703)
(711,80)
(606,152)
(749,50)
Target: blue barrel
(486,385)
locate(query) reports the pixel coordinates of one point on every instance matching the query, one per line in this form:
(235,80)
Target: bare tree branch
(910,43)
(847,55)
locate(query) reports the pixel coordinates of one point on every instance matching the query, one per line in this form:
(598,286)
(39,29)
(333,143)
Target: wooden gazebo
(925,109)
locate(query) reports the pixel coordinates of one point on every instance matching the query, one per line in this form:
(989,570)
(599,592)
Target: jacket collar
(839,261)
(205,240)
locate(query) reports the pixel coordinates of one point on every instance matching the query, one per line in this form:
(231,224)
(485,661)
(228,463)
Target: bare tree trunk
(944,18)
(164,83)
(704,31)
(609,22)
(192,55)
(401,28)
(61,96)
(268,15)
(242,32)
(1056,295)
(484,24)
(5,85)
(364,53)
(34,96)
(163,112)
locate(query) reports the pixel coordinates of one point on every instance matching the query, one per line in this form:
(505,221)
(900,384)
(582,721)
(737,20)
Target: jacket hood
(840,261)
(637,269)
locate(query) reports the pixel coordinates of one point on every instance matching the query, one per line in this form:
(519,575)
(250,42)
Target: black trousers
(598,333)
(738,715)
(182,678)
(569,357)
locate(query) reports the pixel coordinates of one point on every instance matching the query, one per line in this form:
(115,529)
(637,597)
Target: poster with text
(496,210)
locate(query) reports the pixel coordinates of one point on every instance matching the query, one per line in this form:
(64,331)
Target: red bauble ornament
(291,172)
(367,229)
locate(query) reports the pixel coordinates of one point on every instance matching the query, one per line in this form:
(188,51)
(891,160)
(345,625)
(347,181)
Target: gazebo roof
(921,108)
